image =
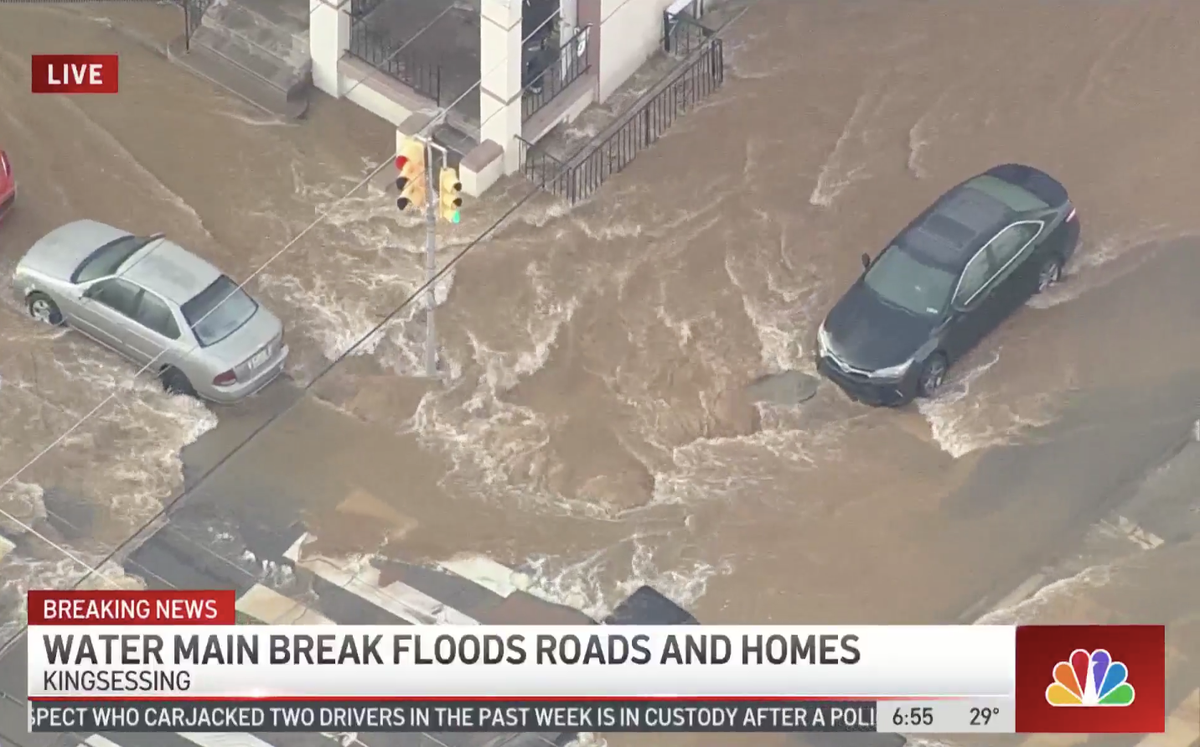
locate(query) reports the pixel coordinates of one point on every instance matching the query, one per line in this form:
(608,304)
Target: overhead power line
(387,319)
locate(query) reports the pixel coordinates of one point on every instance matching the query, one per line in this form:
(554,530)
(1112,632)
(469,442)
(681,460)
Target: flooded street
(593,427)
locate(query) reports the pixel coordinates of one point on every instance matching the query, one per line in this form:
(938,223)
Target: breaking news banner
(176,661)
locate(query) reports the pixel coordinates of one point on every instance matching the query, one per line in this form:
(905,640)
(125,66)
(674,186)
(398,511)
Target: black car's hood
(870,334)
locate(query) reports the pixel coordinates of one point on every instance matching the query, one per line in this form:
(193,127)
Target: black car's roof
(950,232)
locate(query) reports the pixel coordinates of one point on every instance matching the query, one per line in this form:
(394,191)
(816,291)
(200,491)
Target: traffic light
(449,189)
(411,183)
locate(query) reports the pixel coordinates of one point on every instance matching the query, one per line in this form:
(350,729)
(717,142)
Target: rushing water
(596,357)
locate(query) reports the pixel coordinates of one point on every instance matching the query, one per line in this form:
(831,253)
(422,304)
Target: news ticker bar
(950,716)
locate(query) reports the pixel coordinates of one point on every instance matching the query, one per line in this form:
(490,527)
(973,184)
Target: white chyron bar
(186,663)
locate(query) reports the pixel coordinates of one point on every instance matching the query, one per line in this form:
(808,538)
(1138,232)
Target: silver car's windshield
(108,259)
(218,311)
(903,280)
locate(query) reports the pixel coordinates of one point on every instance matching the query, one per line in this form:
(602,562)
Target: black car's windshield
(108,259)
(218,311)
(902,280)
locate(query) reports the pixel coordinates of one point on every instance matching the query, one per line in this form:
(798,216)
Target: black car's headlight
(823,344)
(892,372)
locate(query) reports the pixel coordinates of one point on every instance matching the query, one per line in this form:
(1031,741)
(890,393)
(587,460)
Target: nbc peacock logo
(1090,679)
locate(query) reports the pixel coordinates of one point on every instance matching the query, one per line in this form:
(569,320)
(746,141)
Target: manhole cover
(786,388)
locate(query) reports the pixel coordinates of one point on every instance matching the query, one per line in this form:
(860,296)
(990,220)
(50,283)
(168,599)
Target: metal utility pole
(431,357)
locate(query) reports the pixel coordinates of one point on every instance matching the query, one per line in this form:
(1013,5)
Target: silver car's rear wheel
(174,382)
(43,309)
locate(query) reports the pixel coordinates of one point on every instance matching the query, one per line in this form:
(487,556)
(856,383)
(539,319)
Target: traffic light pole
(431,357)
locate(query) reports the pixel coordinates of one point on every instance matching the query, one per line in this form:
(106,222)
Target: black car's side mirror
(866,260)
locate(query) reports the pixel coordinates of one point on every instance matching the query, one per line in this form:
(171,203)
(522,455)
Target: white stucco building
(603,43)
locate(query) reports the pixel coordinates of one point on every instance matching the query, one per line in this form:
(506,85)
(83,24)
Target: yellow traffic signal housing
(449,195)
(412,180)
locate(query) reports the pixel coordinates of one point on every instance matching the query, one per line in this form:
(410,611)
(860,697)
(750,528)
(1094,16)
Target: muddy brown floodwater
(593,425)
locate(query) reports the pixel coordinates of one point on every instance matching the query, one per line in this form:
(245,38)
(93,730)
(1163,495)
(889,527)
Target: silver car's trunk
(262,331)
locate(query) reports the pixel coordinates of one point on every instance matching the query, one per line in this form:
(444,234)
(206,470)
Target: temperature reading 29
(983,716)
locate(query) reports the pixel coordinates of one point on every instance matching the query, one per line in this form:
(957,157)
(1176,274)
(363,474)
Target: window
(975,275)
(117,294)
(108,258)
(1009,242)
(901,279)
(154,314)
(218,311)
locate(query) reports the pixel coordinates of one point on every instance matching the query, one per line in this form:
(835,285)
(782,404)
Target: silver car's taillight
(5,165)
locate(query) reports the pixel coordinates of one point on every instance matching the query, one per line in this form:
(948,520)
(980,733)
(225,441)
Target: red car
(8,184)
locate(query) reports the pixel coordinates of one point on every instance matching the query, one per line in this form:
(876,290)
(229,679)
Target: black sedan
(948,279)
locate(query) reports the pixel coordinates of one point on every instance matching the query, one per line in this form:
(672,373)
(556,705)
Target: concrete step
(249,87)
(255,61)
(281,36)
(457,142)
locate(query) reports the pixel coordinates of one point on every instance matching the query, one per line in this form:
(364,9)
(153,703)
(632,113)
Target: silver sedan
(155,303)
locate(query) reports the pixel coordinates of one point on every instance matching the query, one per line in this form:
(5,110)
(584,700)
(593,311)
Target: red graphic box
(1101,679)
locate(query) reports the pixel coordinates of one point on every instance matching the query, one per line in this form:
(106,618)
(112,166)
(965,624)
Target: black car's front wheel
(1049,274)
(933,375)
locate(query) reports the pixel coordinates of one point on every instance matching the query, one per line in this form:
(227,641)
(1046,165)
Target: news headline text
(457,716)
(219,661)
(408,649)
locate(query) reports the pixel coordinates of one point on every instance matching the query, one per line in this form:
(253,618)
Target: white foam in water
(365,260)
(1028,610)
(738,62)
(708,469)
(22,501)
(503,369)
(257,121)
(488,440)
(1097,264)
(953,415)
(842,168)
(588,739)
(125,457)
(20,574)
(540,215)
(962,421)
(598,582)
(780,306)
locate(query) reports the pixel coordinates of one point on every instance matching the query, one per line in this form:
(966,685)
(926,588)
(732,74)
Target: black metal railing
(579,176)
(683,33)
(376,48)
(551,76)
(540,167)
(360,8)
(193,16)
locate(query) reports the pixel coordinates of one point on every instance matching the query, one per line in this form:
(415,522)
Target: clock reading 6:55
(913,716)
